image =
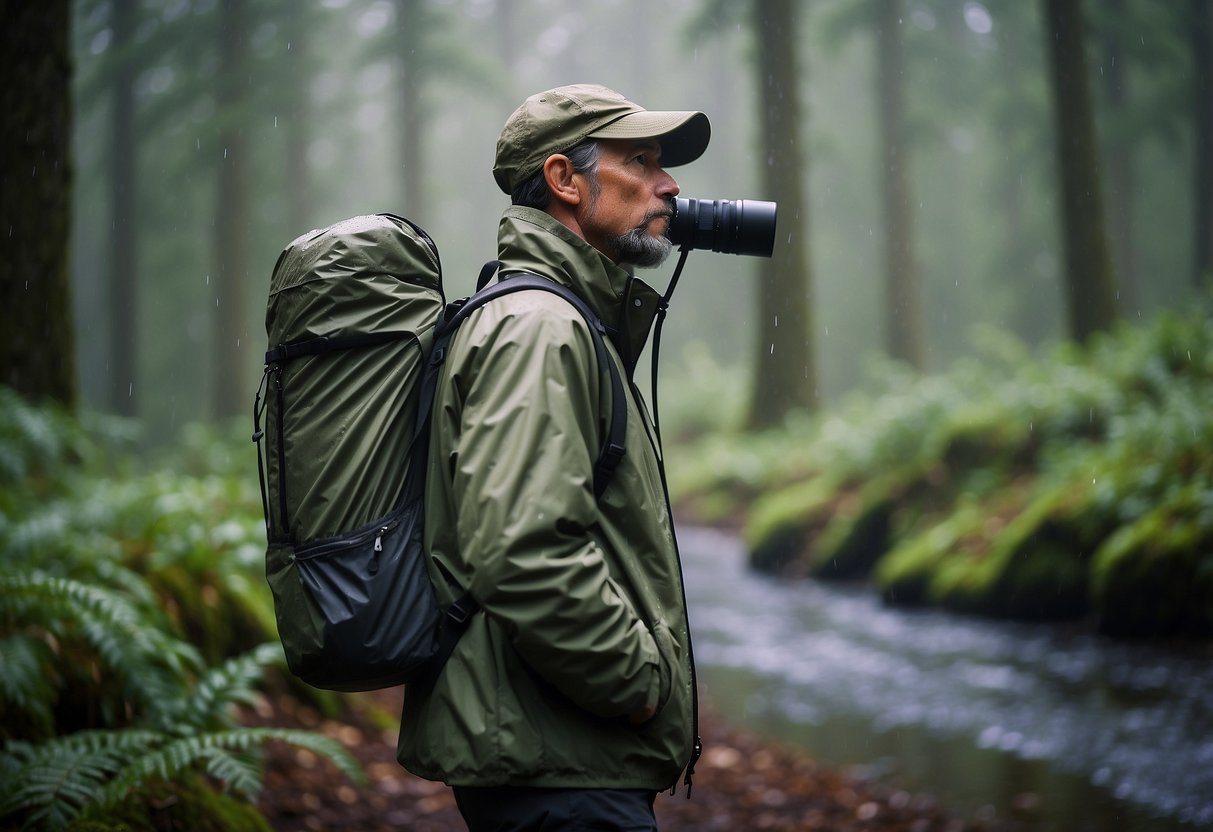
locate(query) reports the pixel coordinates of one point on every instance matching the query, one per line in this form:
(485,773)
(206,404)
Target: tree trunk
(408,25)
(299,219)
(1090,289)
(1202,60)
(903,290)
(785,377)
(37,349)
(231,338)
(123,238)
(1121,179)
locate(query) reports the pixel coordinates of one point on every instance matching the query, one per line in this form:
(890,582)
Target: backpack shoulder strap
(456,617)
(613,447)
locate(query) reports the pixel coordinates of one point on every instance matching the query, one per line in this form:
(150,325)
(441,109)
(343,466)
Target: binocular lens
(742,226)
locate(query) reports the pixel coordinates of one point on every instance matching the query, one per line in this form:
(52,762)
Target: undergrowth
(134,619)
(1016,484)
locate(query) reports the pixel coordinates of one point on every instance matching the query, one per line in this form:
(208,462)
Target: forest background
(978,370)
(209,134)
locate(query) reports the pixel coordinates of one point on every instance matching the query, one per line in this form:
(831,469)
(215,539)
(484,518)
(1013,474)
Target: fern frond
(243,739)
(239,772)
(53,781)
(235,681)
(41,529)
(109,572)
(24,685)
(51,798)
(26,434)
(153,664)
(182,753)
(127,742)
(318,744)
(37,597)
(38,441)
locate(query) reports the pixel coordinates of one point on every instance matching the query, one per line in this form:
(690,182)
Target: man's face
(629,211)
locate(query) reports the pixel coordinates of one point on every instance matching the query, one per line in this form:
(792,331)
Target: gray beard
(640,248)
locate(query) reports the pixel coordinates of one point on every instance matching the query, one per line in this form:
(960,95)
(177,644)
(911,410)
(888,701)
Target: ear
(558,173)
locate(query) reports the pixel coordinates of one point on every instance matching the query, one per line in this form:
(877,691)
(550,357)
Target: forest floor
(741,783)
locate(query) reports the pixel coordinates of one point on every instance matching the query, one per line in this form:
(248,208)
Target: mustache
(667,215)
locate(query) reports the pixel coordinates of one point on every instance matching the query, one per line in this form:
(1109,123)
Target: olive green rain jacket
(584,617)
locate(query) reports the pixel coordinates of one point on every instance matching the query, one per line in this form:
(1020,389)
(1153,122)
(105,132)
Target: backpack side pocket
(357,611)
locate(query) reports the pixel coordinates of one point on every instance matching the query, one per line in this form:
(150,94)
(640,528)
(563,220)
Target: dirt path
(741,783)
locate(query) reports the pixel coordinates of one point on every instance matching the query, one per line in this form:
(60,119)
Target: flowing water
(1066,732)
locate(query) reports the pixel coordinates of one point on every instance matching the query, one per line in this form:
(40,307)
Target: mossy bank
(1072,484)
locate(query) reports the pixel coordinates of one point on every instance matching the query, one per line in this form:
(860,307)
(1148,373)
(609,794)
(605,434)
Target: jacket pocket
(669,654)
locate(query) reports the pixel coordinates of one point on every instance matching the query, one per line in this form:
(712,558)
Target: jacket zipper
(697,745)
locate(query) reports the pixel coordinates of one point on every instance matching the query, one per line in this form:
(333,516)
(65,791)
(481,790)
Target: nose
(667,188)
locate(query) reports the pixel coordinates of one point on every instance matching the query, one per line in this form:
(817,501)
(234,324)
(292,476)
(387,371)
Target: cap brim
(684,136)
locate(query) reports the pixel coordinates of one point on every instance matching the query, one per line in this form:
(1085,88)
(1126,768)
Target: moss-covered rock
(855,539)
(905,575)
(1034,566)
(1155,576)
(990,488)
(781,525)
(856,533)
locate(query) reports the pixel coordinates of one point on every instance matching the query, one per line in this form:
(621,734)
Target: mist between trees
(939,164)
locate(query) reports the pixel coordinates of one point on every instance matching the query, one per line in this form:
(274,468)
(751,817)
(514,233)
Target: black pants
(518,809)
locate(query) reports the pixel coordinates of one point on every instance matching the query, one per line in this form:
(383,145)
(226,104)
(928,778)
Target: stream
(1064,731)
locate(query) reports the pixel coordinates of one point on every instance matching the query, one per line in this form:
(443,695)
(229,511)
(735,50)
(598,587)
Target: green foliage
(699,397)
(189,726)
(1155,575)
(49,784)
(189,802)
(97,633)
(179,539)
(1030,487)
(41,446)
(133,621)
(1033,567)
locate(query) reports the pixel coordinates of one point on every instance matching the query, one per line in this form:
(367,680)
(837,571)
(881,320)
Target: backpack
(358,327)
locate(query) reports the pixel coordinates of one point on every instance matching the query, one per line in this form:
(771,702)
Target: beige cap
(558,120)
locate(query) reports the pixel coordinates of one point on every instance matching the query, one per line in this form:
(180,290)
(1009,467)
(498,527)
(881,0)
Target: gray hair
(533,192)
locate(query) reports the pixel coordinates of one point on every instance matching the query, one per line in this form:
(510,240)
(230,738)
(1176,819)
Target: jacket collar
(530,240)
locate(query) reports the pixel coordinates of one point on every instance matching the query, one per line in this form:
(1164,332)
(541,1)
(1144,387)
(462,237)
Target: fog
(341,107)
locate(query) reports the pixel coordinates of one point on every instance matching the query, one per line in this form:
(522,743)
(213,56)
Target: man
(570,700)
